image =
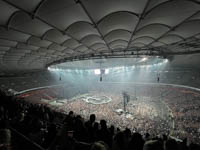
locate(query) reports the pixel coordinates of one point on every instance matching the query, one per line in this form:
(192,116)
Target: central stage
(95,99)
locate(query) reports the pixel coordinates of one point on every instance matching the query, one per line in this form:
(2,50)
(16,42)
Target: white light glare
(52,69)
(166,60)
(97,71)
(143,59)
(106,71)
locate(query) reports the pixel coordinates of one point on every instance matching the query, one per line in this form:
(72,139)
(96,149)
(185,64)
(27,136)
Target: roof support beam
(44,21)
(125,55)
(173,28)
(92,20)
(140,19)
(38,7)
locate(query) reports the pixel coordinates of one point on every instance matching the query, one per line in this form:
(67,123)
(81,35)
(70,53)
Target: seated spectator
(91,121)
(119,142)
(171,144)
(104,134)
(136,142)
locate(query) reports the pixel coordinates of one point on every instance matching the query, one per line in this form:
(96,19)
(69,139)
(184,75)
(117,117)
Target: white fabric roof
(36,33)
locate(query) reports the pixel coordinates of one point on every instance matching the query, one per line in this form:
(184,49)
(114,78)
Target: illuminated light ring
(95,99)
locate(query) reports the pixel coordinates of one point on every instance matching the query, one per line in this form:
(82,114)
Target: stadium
(99,74)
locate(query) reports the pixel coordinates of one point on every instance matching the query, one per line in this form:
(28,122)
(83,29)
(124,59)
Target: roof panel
(45,31)
(28,5)
(55,36)
(171,13)
(154,31)
(62,13)
(7,43)
(13,35)
(6,12)
(27,24)
(99,9)
(119,20)
(38,42)
(188,29)
(81,29)
(118,34)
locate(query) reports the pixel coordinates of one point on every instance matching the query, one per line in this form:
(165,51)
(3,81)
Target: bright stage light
(166,61)
(97,71)
(52,69)
(143,59)
(106,71)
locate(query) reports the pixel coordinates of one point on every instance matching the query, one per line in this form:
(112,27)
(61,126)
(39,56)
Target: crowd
(183,112)
(59,130)
(37,122)
(186,110)
(143,114)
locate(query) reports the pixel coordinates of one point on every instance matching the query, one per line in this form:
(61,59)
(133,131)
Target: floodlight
(106,71)
(97,71)
(165,61)
(143,59)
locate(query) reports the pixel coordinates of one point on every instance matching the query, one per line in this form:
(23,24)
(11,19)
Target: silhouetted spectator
(104,134)
(136,142)
(171,144)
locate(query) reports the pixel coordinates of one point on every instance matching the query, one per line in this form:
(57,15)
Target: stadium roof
(37,33)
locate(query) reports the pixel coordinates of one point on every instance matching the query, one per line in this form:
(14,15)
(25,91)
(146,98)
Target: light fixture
(106,71)
(143,59)
(97,71)
(165,61)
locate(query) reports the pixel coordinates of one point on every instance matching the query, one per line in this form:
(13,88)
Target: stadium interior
(100,74)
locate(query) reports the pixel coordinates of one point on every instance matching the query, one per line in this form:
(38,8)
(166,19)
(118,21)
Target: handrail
(27,139)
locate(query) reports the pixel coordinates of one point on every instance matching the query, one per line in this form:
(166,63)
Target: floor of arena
(153,109)
(142,113)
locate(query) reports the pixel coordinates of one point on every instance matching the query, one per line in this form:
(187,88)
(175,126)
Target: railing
(21,142)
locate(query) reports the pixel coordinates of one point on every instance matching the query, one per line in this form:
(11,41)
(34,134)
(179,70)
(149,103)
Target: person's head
(112,129)
(127,132)
(147,135)
(103,124)
(118,129)
(71,113)
(100,145)
(92,117)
